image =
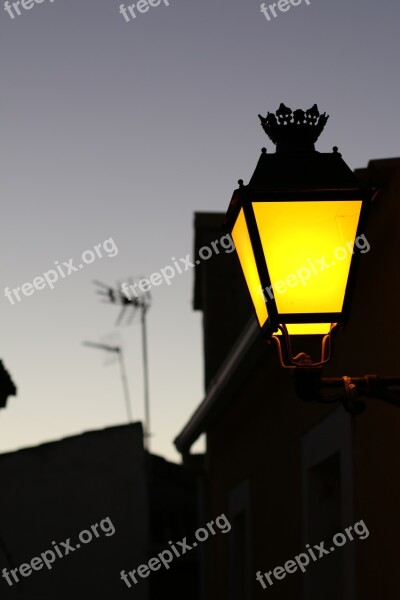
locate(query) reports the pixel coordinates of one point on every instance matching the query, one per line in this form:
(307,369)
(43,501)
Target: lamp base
(301,360)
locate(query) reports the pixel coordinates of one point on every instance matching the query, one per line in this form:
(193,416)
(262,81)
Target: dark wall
(259,440)
(53,492)
(172,492)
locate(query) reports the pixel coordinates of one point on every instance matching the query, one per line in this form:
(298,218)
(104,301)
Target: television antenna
(117,350)
(133,302)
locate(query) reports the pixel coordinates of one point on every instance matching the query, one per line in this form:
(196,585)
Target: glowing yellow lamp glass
(244,249)
(307,328)
(308,250)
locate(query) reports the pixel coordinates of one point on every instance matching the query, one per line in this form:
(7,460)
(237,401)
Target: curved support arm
(309,386)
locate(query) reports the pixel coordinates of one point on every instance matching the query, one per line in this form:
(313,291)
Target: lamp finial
(294,130)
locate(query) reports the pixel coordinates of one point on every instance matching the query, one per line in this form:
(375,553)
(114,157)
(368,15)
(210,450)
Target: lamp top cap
(294,130)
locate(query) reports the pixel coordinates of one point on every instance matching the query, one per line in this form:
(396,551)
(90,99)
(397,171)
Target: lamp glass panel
(244,249)
(307,329)
(308,249)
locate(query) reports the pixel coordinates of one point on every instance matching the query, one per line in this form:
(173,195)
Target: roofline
(197,422)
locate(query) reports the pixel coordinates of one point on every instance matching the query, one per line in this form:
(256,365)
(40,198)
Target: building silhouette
(289,472)
(57,490)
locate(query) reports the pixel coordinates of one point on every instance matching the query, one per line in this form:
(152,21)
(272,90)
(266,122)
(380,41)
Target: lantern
(298,228)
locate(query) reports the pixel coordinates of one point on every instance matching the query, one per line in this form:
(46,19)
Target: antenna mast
(140,302)
(117,350)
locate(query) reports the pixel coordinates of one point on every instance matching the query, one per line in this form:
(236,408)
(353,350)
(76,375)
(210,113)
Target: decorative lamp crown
(294,130)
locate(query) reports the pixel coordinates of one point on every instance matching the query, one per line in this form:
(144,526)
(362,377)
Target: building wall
(56,490)
(370,346)
(259,439)
(173,509)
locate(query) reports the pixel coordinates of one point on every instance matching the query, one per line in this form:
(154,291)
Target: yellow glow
(307,329)
(242,242)
(307,246)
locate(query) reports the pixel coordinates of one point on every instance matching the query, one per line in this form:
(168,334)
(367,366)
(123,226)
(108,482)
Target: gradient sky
(124,130)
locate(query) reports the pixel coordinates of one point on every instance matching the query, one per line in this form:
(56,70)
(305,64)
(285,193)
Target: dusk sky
(121,130)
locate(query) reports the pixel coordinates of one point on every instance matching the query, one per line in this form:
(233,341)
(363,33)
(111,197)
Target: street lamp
(295,227)
(298,228)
